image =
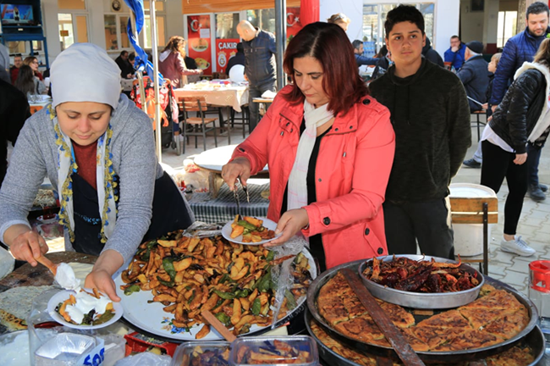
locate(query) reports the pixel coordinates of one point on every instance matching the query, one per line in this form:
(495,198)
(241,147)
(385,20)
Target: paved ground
(534,225)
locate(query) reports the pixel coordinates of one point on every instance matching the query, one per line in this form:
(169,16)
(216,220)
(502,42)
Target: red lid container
(540,275)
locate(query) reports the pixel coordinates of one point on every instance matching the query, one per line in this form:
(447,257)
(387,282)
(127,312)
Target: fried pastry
(508,325)
(470,339)
(447,319)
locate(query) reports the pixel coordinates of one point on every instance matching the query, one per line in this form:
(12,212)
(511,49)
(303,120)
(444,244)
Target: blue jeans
(533,159)
(256,92)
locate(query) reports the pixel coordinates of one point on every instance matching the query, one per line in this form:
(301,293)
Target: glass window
(66,31)
(262,18)
(17,47)
(71,4)
(111,40)
(226,25)
(82,28)
(506,26)
(124,40)
(159,6)
(161,34)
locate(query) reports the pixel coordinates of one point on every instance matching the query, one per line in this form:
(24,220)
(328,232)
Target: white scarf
(66,165)
(297,185)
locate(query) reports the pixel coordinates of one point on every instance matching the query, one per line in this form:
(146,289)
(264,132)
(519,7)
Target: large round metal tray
(429,357)
(535,339)
(421,300)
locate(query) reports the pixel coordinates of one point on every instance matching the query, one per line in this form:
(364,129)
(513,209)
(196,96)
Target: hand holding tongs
(236,195)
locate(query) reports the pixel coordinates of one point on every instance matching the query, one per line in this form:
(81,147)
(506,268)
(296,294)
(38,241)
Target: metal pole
(280,40)
(139,74)
(154,49)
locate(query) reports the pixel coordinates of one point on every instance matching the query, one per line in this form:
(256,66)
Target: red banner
(199,41)
(293,22)
(225,49)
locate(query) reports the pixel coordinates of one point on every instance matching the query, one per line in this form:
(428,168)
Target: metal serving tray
(421,300)
(428,357)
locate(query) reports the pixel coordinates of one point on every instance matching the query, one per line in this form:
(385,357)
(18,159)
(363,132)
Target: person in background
(4,57)
(238,59)
(455,53)
(431,55)
(260,67)
(329,157)
(33,63)
(476,160)
(341,20)
(98,151)
(126,69)
(14,70)
(431,118)
(474,75)
(358,50)
(522,116)
(131,61)
(172,62)
(383,64)
(517,50)
(190,63)
(14,111)
(28,83)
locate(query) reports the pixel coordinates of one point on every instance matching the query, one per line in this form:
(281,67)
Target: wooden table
(213,160)
(230,96)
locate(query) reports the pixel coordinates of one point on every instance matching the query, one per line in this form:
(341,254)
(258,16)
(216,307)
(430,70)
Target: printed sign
(199,46)
(225,49)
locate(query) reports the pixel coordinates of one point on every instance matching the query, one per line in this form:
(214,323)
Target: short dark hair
(356,44)
(537,8)
(240,47)
(328,44)
(455,36)
(132,56)
(403,13)
(123,53)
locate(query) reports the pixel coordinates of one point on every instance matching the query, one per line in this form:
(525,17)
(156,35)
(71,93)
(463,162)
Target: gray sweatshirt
(134,161)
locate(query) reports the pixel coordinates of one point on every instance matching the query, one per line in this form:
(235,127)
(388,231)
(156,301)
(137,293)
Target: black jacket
(238,59)
(520,109)
(475,77)
(14,111)
(431,55)
(431,119)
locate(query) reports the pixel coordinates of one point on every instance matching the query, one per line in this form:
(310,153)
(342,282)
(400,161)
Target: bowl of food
(84,309)
(250,230)
(420,281)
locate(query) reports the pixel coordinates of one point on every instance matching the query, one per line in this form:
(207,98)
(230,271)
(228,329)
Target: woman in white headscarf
(97,149)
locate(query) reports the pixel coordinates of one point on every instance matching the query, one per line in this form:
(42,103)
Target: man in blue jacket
(474,75)
(455,53)
(361,60)
(519,49)
(259,53)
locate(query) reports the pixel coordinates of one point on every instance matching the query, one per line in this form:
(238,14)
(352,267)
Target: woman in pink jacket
(329,147)
(172,62)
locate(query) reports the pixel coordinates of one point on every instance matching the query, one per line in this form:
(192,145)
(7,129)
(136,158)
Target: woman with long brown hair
(523,117)
(172,62)
(28,83)
(33,63)
(329,147)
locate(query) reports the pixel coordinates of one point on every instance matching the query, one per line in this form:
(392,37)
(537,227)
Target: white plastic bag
(145,359)
(7,262)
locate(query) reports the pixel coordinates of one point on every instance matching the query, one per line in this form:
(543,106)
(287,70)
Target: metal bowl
(428,356)
(422,300)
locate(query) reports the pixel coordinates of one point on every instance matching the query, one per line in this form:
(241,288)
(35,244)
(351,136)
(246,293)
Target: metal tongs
(236,195)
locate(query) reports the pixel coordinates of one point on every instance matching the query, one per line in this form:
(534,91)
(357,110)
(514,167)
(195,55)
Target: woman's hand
(520,159)
(289,224)
(101,276)
(238,168)
(27,244)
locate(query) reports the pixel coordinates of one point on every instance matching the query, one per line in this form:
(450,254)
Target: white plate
(151,317)
(64,295)
(226,232)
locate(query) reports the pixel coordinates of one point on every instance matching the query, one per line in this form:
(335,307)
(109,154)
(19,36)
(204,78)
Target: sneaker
(536,193)
(471,163)
(543,187)
(517,246)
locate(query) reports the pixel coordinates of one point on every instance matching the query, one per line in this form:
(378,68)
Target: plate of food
(84,309)
(250,230)
(171,280)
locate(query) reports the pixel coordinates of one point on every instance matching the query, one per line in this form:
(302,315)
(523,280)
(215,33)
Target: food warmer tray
(426,356)
(421,300)
(535,339)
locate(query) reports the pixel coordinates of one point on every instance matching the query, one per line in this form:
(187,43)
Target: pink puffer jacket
(353,168)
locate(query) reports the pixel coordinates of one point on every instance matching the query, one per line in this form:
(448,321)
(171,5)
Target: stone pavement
(534,224)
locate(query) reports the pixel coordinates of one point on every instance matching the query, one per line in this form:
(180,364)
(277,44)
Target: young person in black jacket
(522,117)
(431,119)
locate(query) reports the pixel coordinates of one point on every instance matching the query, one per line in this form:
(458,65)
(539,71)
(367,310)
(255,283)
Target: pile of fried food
(233,281)
(272,353)
(402,273)
(494,317)
(518,355)
(86,308)
(251,229)
(218,356)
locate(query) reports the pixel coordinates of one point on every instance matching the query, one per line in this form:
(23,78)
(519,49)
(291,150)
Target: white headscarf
(84,72)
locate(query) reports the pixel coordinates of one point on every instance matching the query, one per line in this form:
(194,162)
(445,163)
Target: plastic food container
(202,353)
(275,351)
